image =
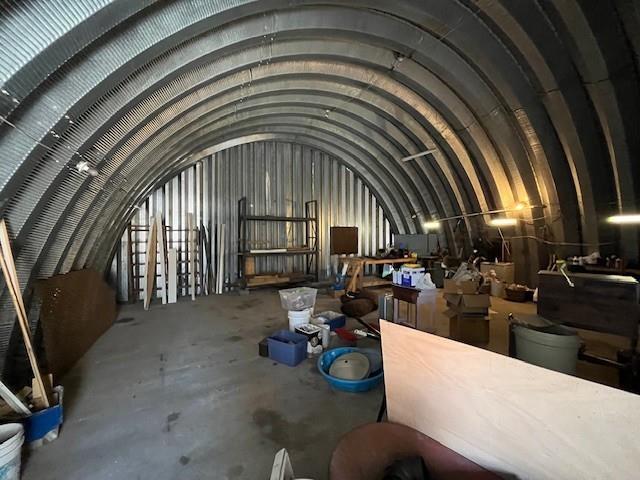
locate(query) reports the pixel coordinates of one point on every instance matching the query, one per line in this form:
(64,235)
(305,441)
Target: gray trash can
(554,347)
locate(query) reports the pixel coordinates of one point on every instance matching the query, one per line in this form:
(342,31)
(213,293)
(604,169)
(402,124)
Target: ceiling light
(503,222)
(434,225)
(417,155)
(627,219)
(520,206)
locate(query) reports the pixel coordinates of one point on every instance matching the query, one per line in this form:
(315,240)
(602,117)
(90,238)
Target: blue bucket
(353,386)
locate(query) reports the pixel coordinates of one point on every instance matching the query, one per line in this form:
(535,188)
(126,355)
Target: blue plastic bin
(353,386)
(336,320)
(287,347)
(48,420)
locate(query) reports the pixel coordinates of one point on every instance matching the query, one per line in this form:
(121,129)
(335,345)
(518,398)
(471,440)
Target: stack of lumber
(41,384)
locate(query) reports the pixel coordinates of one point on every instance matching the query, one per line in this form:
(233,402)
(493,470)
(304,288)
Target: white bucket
(11,440)
(297,318)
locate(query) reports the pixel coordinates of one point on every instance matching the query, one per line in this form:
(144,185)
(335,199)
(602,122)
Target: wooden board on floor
(172,260)
(507,415)
(150,270)
(162,259)
(7,264)
(221,255)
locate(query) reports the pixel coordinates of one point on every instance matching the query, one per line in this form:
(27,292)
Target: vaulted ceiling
(535,101)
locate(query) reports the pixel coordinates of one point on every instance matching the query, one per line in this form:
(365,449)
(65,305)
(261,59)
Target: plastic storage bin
(43,426)
(287,347)
(301,298)
(333,319)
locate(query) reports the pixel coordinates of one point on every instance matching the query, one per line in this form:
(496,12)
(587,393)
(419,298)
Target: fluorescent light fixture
(417,155)
(503,222)
(431,225)
(628,219)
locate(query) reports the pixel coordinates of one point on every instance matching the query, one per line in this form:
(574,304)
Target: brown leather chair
(366,451)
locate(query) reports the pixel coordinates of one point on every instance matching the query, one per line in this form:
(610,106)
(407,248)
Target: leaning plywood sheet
(77,308)
(506,415)
(172,293)
(150,265)
(162,259)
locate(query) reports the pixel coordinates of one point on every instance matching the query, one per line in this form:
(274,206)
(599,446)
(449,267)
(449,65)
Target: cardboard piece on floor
(506,415)
(13,286)
(150,270)
(162,260)
(172,260)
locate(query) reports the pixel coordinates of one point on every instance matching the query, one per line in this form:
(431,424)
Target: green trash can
(554,347)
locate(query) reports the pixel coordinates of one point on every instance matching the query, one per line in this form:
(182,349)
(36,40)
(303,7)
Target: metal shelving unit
(309,249)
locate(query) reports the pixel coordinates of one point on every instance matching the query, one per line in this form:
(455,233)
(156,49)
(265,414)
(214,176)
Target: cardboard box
(409,275)
(477,304)
(466,287)
(470,329)
(505,271)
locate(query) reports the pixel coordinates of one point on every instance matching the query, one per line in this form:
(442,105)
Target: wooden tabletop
(383,261)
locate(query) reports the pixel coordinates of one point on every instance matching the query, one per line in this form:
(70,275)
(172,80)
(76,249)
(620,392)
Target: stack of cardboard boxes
(468,312)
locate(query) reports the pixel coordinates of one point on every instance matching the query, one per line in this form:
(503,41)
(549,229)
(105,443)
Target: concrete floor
(180,392)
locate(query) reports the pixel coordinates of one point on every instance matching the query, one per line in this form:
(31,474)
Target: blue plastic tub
(287,347)
(335,319)
(39,424)
(375,358)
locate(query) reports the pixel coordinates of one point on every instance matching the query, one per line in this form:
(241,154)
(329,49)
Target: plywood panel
(150,270)
(172,258)
(77,308)
(162,259)
(507,415)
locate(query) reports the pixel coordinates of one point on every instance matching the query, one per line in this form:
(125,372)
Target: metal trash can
(550,346)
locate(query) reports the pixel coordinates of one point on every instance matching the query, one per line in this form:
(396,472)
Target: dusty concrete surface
(180,392)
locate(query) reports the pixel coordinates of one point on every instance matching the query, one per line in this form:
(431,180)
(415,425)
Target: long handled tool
(13,285)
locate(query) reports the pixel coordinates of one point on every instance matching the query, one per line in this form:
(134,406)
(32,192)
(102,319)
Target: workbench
(358,264)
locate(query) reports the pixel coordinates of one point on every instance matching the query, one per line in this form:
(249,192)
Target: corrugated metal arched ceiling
(534,101)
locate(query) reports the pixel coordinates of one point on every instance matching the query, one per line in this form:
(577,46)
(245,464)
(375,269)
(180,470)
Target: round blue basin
(375,358)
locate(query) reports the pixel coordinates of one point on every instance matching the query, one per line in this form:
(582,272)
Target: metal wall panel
(277,178)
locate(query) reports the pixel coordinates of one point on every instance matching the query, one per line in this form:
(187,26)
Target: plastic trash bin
(554,347)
